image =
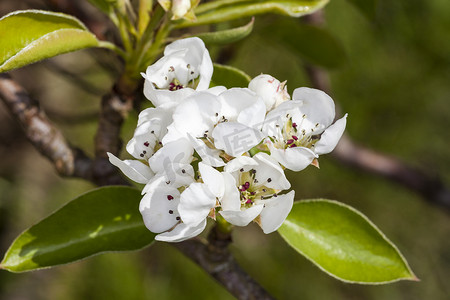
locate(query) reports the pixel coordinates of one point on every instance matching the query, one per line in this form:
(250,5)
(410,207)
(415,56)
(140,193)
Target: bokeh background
(394,82)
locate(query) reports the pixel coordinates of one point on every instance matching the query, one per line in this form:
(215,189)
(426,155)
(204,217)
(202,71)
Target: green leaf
(344,243)
(32,35)
(230,10)
(226,36)
(314,44)
(104,219)
(229,77)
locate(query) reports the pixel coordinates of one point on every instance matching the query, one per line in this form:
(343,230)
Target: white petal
(197,114)
(331,136)
(317,105)
(216,90)
(213,179)
(209,156)
(295,159)
(270,173)
(180,8)
(159,209)
(253,116)
(133,169)
(237,101)
(181,232)
(160,97)
(275,211)
(231,197)
(235,138)
(242,217)
(195,203)
(240,162)
(270,89)
(176,152)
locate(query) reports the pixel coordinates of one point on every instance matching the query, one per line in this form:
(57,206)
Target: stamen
(289,142)
(294,125)
(295,137)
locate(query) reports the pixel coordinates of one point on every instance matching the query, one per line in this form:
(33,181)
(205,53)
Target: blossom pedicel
(203,151)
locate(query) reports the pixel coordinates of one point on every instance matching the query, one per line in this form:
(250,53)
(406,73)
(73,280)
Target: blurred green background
(394,82)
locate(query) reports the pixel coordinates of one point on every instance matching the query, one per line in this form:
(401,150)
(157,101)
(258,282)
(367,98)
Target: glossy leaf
(314,44)
(226,36)
(229,77)
(32,35)
(104,219)
(230,10)
(344,243)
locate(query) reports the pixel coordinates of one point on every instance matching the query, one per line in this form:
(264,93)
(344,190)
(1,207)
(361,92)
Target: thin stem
(111,46)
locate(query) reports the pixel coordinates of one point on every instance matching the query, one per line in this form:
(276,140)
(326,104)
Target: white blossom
(258,182)
(301,129)
(272,91)
(185,67)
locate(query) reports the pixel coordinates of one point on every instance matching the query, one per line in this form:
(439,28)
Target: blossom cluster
(203,151)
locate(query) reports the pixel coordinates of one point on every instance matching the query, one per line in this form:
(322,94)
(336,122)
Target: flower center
(251,190)
(296,136)
(181,77)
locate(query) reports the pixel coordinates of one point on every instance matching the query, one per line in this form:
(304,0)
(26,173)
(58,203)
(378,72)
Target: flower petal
(270,173)
(240,162)
(159,209)
(235,138)
(181,232)
(213,179)
(275,211)
(331,136)
(272,91)
(242,217)
(295,159)
(231,197)
(317,105)
(133,169)
(176,152)
(195,203)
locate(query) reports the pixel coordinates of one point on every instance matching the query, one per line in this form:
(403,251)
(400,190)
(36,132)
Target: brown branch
(215,258)
(356,156)
(47,139)
(41,132)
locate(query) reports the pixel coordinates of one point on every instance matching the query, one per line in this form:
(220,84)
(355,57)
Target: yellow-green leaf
(104,219)
(32,35)
(344,243)
(226,36)
(225,10)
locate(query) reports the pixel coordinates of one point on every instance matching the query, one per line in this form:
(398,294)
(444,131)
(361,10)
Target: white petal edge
(242,217)
(133,169)
(275,211)
(195,204)
(331,136)
(181,232)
